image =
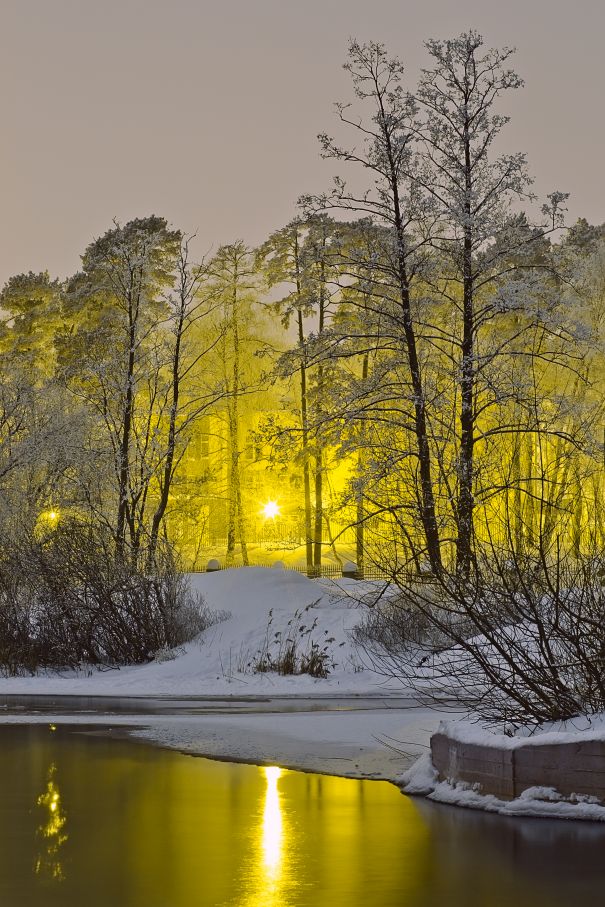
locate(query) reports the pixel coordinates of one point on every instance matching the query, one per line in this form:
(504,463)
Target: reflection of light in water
(51,830)
(272,824)
(267,871)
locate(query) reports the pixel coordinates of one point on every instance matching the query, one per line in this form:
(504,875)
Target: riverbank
(351,723)
(256,611)
(372,739)
(210,698)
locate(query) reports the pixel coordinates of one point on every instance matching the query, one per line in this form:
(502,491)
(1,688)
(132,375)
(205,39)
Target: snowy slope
(259,602)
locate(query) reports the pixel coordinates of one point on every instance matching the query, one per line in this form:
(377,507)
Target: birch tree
(115,306)
(303,258)
(472,197)
(385,129)
(233,277)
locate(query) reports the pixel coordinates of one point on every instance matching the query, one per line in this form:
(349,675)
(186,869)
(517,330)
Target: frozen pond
(93,821)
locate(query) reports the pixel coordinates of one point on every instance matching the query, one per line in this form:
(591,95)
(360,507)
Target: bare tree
(233,276)
(117,304)
(471,198)
(387,136)
(191,389)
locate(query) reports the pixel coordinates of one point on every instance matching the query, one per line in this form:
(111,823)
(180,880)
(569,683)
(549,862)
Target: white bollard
(350,571)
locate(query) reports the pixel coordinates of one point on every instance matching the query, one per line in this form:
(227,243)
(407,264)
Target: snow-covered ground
(350,723)
(258,602)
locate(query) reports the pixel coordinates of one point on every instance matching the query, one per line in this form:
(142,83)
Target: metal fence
(329,571)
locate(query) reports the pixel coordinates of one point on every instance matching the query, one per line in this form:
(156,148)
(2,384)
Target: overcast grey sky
(207,113)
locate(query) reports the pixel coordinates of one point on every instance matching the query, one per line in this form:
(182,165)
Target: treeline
(419,324)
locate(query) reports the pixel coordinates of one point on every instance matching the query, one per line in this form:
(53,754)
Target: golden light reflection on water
(51,830)
(151,827)
(272,824)
(267,873)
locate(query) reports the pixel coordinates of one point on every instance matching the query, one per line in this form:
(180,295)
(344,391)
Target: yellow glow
(270,510)
(268,874)
(51,830)
(272,824)
(49,517)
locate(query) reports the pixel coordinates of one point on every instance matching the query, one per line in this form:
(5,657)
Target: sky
(207,113)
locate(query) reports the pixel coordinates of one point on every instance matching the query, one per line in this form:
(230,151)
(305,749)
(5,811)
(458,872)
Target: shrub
(295,650)
(520,641)
(66,601)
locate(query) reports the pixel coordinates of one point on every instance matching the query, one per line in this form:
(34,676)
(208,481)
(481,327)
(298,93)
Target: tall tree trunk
(124,464)
(319,461)
(517,511)
(428,514)
(359,495)
(318,527)
(236,527)
(466,470)
(166,478)
(236,514)
(304,418)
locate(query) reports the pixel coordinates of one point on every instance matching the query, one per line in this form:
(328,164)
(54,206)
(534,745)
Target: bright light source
(272,840)
(52,515)
(270,510)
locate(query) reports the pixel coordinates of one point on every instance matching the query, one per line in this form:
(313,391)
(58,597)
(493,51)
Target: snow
(217,662)
(351,723)
(539,802)
(581,729)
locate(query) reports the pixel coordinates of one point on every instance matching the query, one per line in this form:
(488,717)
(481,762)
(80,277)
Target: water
(194,705)
(90,821)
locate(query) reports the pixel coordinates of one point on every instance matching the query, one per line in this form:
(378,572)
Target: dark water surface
(90,821)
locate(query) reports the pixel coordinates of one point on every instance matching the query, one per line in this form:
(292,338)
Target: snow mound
(259,606)
(247,591)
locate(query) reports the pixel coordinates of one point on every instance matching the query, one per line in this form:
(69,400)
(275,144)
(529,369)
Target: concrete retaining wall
(571,768)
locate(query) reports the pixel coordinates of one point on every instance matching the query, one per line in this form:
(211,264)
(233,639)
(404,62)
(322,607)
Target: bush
(295,651)
(394,623)
(520,641)
(66,601)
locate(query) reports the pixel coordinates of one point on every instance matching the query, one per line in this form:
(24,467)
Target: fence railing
(328,571)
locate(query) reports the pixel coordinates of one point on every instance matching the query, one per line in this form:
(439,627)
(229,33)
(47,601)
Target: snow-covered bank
(257,603)
(354,744)
(350,744)
(540,802)
(555,773)
(260,607)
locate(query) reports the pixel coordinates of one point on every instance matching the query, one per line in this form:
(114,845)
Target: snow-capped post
(350,570)
(213,565)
